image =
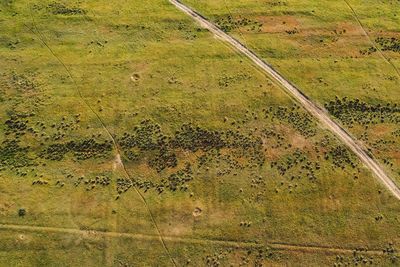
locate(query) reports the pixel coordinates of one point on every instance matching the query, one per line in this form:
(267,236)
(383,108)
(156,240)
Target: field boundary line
(203,241)
(318,112)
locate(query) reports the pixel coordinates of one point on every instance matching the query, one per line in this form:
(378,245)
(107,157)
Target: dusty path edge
(320,113)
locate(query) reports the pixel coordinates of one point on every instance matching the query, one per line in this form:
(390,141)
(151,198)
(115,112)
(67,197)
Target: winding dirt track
(318,112)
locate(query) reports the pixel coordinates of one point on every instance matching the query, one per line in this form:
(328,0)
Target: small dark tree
(21,212)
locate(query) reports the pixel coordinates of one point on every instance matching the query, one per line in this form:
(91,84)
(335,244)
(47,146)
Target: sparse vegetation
(163,130)
(60,9)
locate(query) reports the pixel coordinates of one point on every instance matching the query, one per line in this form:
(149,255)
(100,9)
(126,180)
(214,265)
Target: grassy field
(322,49)
(231,169)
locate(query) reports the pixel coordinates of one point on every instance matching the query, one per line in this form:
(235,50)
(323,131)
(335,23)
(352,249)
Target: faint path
(318,112)
(370,39)
(118,162)
(227,243)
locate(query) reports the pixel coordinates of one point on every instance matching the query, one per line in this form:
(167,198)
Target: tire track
(320,113)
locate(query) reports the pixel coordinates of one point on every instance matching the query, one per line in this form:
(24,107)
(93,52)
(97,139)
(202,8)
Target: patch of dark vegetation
(81,150)
(294,31)
(175,181)
(40,181)
(93,182)
(16,125)
(356,111)
(225,81)
(194,138)
(276,140)
(257,256)
(164,159)
(12,154)
(368,51)
(146,137)
(396,133)
(360,257)
(228,24)
(13,44)
(97,43)
(293,160)
(277,3)
(190,34)
(148,141)
(22,92)
(389,44)
(390,253)
(60,9)
(341,157)
(22,82)
(300,121)
(21,212)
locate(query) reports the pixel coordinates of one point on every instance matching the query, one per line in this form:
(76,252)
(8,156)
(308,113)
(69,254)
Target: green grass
(147,71)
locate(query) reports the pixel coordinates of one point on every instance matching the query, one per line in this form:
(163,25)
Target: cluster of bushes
(341,157)
(294,31)
(13,154)
(390,253)
(396,133)
(13,44)
(356,111)
(165,158)
(227,24)
(225,81)
(194,138)
(124,184)
(61,9)
(368,51)
(22,82)
(146,137)
(81,150)
(279,139)
(289,162)
(389,44)
(294,160)
(300,121)
(15,125)
(92,182)
(175,181)
(228,150)
(160,150)
(256,256)
(277,3)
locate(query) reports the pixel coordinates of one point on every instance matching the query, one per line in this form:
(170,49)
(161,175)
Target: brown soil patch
(299,141)
(381,130)
(274,24)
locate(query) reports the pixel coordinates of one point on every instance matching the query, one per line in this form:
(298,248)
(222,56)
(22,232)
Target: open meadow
(131,136)
(349,68)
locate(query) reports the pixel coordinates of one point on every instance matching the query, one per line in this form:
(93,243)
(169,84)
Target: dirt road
(206,242)
(314,109)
